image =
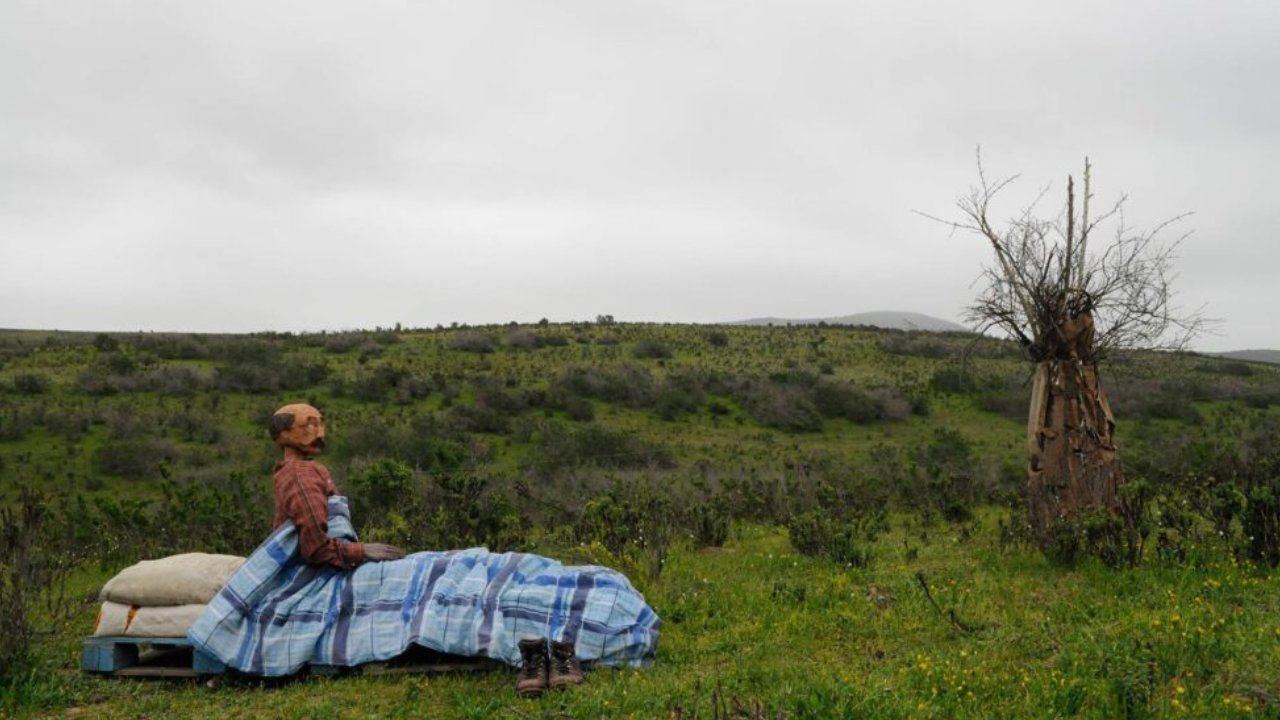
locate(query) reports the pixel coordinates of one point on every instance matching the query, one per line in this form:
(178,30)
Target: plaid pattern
(278,613)
(302,491)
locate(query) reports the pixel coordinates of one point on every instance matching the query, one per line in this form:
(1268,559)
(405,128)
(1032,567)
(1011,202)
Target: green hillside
(782,495)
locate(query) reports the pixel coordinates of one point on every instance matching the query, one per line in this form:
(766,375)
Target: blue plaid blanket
(278,613)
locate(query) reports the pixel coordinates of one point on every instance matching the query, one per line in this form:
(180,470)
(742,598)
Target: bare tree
(1071,300)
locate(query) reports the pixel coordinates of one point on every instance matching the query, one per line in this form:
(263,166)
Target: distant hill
(1267,356)
(889,319)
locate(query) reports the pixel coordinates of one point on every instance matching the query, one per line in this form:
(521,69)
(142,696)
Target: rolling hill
(887,319)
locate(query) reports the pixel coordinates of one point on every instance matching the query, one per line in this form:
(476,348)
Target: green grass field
(754,625)
(685,433)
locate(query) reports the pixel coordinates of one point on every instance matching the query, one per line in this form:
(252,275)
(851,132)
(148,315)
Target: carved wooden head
(300,427)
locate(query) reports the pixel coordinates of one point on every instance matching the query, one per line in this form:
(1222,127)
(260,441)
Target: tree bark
(1074,468)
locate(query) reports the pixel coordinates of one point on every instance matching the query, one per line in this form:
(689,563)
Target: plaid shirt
(302,490)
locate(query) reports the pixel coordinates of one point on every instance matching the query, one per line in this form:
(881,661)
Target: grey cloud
(672,160)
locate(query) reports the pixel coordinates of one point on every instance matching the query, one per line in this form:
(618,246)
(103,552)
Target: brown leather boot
(531,681)
(565,670)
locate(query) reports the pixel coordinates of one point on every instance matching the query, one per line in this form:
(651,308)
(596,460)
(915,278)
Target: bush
(470,510)
(580,410)
(97,382)
(522,339)
(179,381)
(339,343)
(680,393)
(270,374)
(472,342)
(223,514)
(630,521)
(374,385)
(917,343)
(30,383)
(135,459)
(817,534)
(629,384)
(709,523)
(786,407)
(842,400)
(198,426)
(961,380)
(1261,523)
(426,443)
(383,486)
(594,446)
(480,418)
(34,565)
(651,350)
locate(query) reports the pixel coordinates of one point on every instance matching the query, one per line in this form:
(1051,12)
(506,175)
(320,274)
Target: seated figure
(311,593)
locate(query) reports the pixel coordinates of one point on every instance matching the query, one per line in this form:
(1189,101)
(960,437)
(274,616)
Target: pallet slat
(119,656)
(166,657)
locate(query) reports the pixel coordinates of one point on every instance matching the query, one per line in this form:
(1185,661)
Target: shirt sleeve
(304,500)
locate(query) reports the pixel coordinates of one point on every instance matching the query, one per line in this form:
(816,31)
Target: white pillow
(190,578)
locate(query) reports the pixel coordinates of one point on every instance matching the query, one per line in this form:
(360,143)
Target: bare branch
(1046,272)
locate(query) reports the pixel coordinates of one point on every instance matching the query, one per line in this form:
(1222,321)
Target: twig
(950,615)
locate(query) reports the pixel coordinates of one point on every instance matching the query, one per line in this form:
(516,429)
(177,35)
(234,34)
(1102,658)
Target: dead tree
(1072,300)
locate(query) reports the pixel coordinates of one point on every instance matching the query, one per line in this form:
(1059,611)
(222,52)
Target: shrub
(1225,367)
(194,425)
(551,340)
(135,459)
(627,383)
(472,342)
(426,443)
(580,410)
(97,382)
(817,534)
(709,523)
(594,446)
(522,339)
(105,343)
(480,418)
(1261,523)
(841,400)
(651,350)
(892,405)
(180,381)
(786,407)
(679,394)
(222,514)
(374,385)
(15,424)
(270,374)
(34,565)
(960,379)
(339,343)
(383,486)
(172,347)
(30,383)
(916,343)
(469,511)
(630,521)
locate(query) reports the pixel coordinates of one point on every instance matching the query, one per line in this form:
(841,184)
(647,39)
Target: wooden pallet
(119,656)
(146,657)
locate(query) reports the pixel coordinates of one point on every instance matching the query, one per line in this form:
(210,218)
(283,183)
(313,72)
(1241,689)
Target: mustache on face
(318,443)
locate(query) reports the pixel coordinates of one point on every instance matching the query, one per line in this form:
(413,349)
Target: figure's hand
(378,552)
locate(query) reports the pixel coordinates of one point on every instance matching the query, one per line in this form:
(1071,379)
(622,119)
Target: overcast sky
(243,166)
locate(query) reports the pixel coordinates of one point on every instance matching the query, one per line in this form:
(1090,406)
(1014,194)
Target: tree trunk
(1074,467)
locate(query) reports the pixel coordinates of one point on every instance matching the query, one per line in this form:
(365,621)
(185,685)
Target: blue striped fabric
(277,613)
